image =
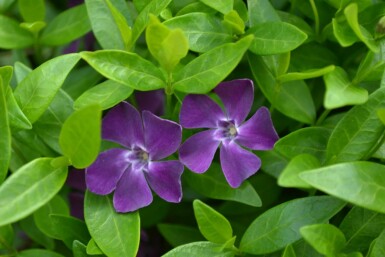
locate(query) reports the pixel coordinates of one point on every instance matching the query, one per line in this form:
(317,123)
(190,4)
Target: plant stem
(316,17)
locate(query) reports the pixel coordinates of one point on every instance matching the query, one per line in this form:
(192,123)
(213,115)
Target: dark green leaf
(12,36)
(29,227)
(17,119)
(377,248)
(5,132)
(79,249)
(177,235)
(6,237)
(68,229)
(199,249)
(38,252)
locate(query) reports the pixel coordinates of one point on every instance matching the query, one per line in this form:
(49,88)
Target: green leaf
(377,248)
(291,98)
(199,249)
(33,232)
(357,132)
(111,230)
(233,21)
(12,36)
(154,7)
(213,184)
(167,46)
(126,68)
(17,119)
(104,25)
(361,183)
(289,252)
(351,14)
(340,91)
(66,27)
(325,238)
(80,80)
(261,11)
(360,227)
(68,229)
(42,216)
(38,252)
(32,186)
(5,132)
(275,38)
(343,33)
(93,248)
(79,249)
(80,136)
(21,71)
(279,226)
(312,140)
(6,237)
(32,10)
(5,4)
(209,69)
(300,163)
(222,6)
(308,74)
(33,27)
(372,66)
(36,91)
(177,235)
(203,31)
(106,94)
(213,225)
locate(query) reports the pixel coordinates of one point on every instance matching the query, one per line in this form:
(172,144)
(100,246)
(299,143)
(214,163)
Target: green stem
(322,117)
(316,17)
(169,92)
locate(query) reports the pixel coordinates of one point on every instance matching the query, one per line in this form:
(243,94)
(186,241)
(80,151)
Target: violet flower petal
(162,137)
(237,97)
(132,191)
(198,151)
(237,163)
(164,178)
(258,132)
(123,125)
(200,111)
(103,175)
(153,101)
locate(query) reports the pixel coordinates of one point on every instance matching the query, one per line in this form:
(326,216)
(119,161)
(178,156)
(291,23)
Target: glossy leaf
(340,91)
(80,136)
(6,237)
(234,22)
(116,234)
(361,183)
(222,6)
(32,186)
(203,31)
(126,68)
(275,38)
(5,132)
(213,225)
(199,249)
(325,238)
(213,184)
(209,69)
(32,10)
(300,163)
(68,229)
(308,74)
(106,94)
(12,36)
(178,234)
(261,11)
(66,27)
(377,248)
(36,91)
(279,226)
(38,252)
(357,132)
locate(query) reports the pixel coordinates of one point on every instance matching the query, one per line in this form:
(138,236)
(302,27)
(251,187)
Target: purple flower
(153,101)
(131,171)
(227,130)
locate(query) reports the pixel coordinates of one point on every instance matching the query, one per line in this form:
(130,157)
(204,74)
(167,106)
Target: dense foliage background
(318,66)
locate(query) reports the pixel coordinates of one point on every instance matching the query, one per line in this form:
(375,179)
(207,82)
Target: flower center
(139,158)
(226,130)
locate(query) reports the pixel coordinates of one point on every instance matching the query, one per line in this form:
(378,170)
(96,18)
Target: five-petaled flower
(227,130)
(132,170)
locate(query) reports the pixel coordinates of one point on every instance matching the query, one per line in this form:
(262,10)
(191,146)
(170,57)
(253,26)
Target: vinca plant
(192,128)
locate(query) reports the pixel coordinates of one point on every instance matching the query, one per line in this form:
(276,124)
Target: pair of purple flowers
(136,168)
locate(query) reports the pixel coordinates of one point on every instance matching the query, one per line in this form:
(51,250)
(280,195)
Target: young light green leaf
(121,23)
(33,232)
(80,136)
(377,248)
(32,10)
(199,249)
(32,186)
(36,91)
(361,183)
(66,27)
(177,235)
(209,69)
(361,226)
(279,226)
(103,22)
(234,22)
(275,38)
(6,237)
(325,238)
(222,6)
(261,11)
(213,225)
(213,184)
(308,74)
(340,91)
(68,229)
(33,27)
(203,31)
(126,68)
(93,248)
(351,14)
(5,132)
(358,131)
(38,252)
(111,230)
(300,163)
(12,36)
(106,94)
